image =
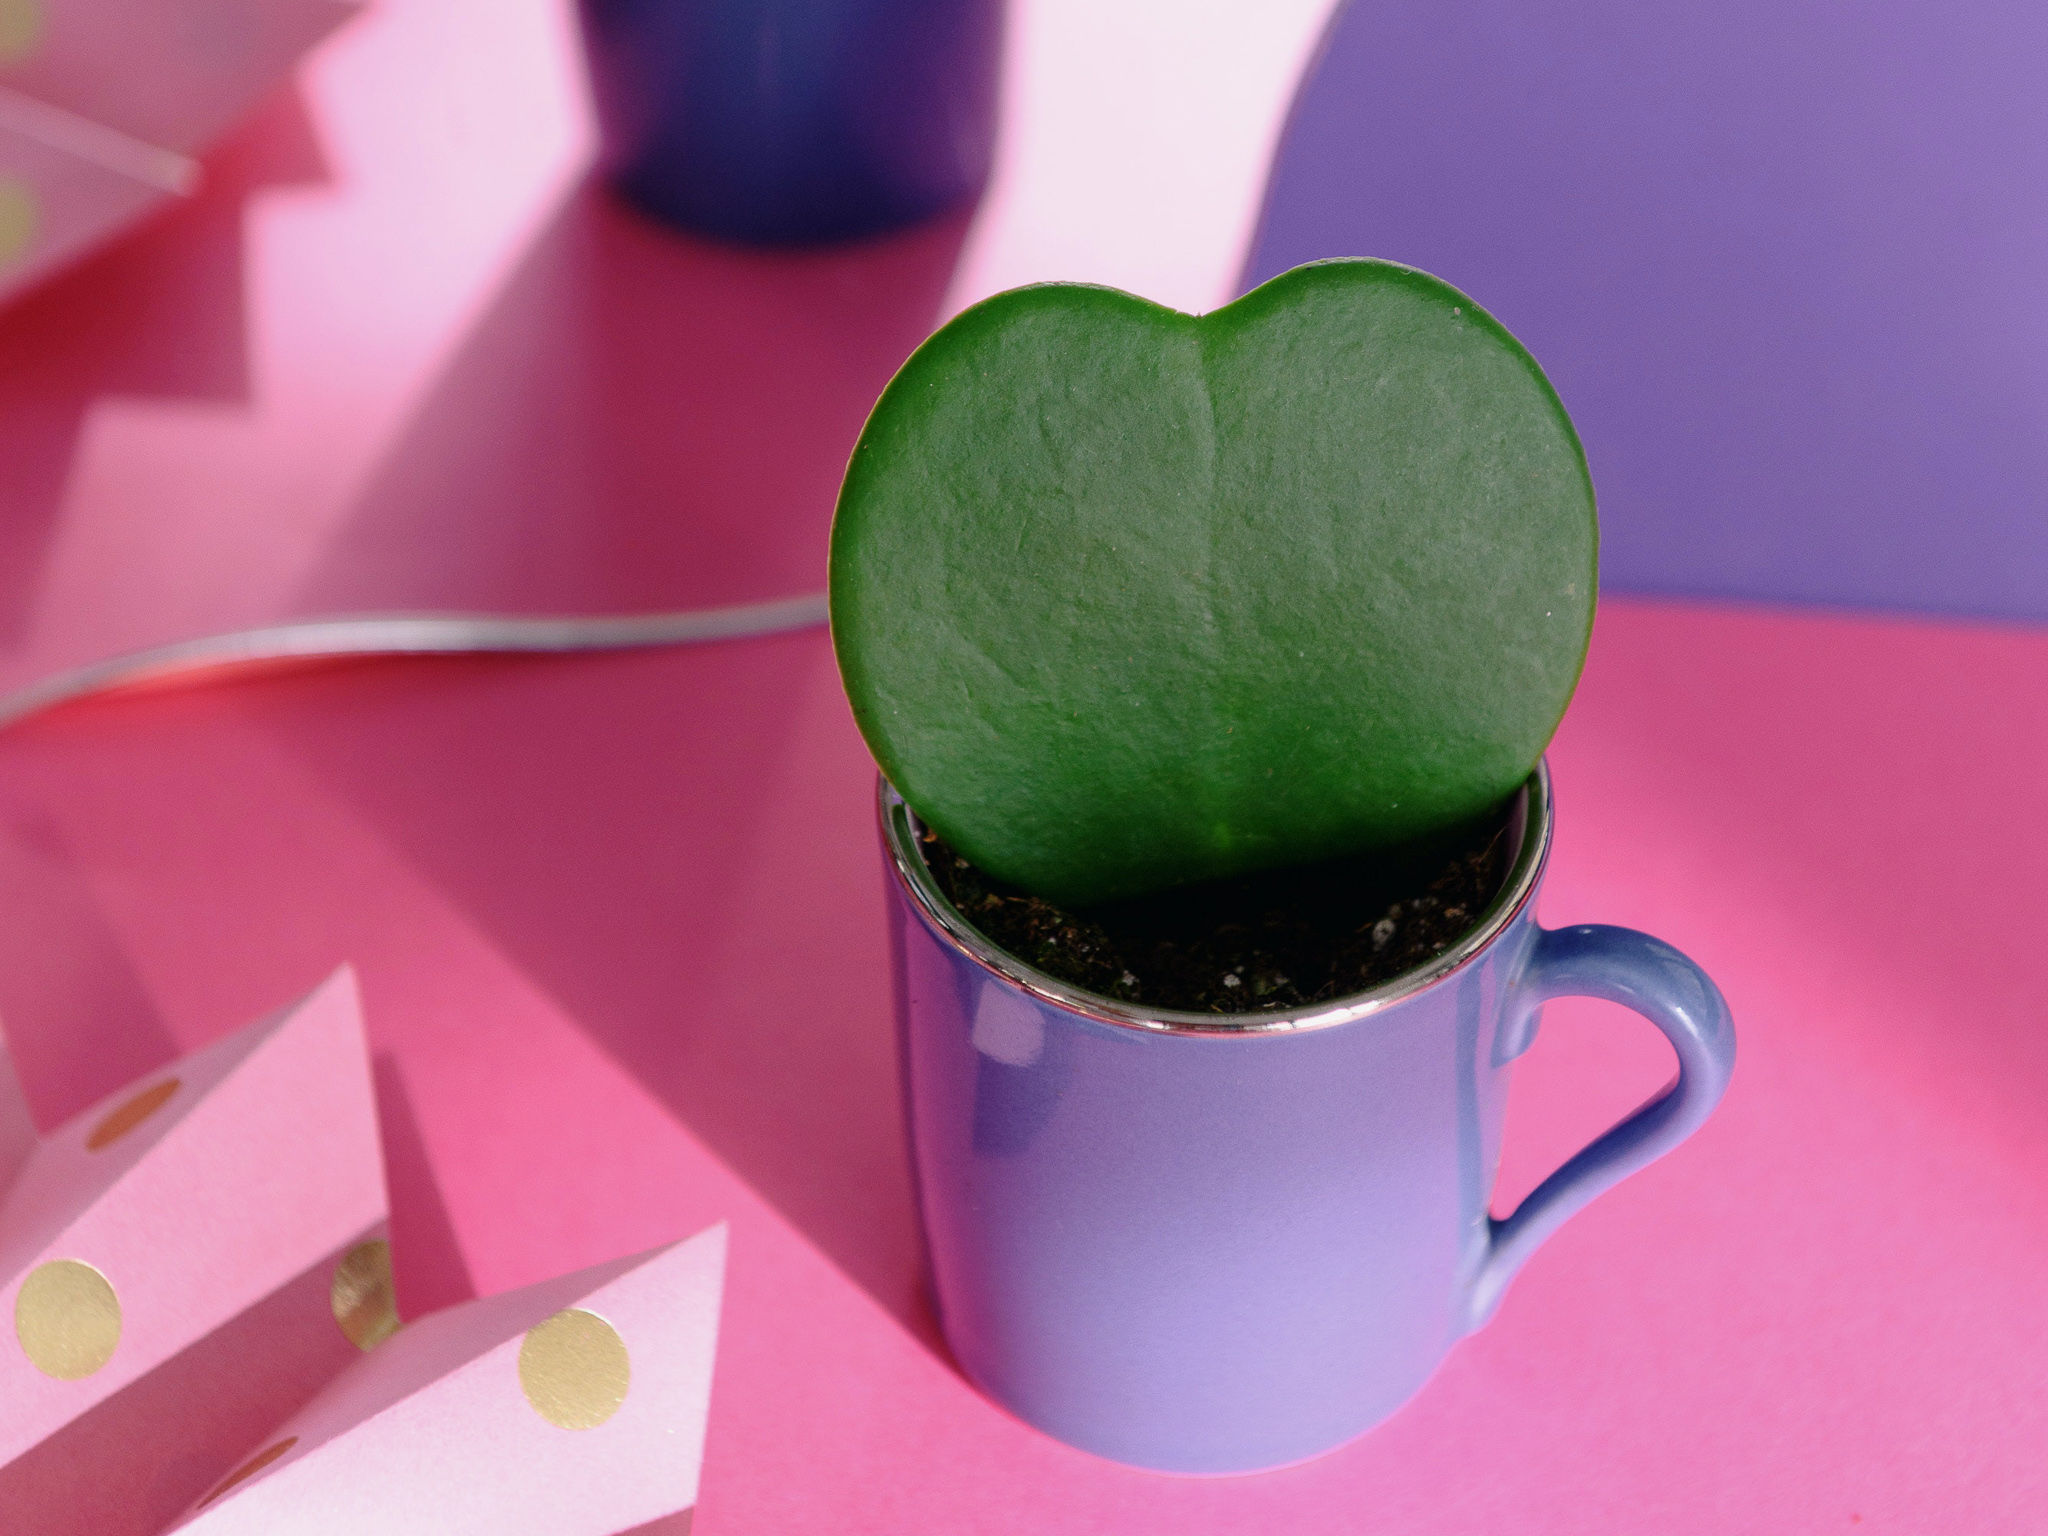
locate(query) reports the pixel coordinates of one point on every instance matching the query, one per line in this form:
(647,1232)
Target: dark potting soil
(1268,942)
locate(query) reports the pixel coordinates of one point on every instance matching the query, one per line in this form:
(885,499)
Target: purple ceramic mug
(1211,1244)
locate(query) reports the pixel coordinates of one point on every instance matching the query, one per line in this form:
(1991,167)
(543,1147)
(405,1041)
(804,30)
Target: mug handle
(1649,976)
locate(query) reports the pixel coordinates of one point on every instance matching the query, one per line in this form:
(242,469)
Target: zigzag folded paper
(183,1266)
(575,1407)
(205,1332)
(105,103)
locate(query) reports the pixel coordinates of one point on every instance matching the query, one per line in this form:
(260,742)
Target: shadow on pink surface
(1823,1306)
(672,1525)
(683,858)
(641,421)
(65,975)
(159,313)
(1833,815)
(426,1259)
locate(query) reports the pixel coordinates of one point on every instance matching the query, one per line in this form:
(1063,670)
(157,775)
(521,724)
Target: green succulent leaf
(1125,598)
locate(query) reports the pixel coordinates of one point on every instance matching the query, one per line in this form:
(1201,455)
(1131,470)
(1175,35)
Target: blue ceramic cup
(1209,1244)
(794,121)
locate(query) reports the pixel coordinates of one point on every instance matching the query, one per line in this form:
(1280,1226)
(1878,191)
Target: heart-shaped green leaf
(1125,598)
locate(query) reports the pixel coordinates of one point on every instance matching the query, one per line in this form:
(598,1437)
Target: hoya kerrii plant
(1157,620)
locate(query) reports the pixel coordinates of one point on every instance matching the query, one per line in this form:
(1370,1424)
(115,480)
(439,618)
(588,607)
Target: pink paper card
(57,203)
(575,1407)
(173,73)
(185,1263)
(104,104)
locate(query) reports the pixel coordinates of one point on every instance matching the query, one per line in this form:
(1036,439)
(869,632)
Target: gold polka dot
(574,1369)
(251,1467)
(18,219)
(67,1318)
(131,1113)
(364,1298)
(21,28)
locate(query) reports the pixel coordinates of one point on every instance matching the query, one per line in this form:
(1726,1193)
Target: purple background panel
(1786,263)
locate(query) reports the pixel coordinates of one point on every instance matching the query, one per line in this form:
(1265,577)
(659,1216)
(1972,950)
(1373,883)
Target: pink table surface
(400,355)
(619,928)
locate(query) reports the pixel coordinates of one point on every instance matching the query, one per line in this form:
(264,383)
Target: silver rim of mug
(1530,819)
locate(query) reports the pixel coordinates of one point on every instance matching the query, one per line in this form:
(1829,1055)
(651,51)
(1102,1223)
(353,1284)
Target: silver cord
(413,635)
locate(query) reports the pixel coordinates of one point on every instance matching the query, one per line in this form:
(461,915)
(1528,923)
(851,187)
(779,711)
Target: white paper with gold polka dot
(575,1407)
(227,1204)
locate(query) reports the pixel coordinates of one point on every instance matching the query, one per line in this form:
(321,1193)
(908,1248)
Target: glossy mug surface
(794,121)
(1203,1244)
